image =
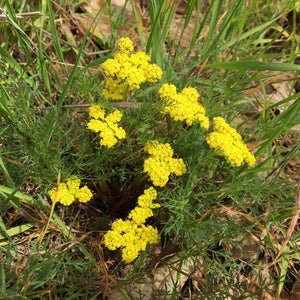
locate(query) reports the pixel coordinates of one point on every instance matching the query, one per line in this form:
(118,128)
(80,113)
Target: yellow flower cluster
(184,105)
(228,143)
(132,235)
(110,133)
(126,71)
(68,192)
(160,164)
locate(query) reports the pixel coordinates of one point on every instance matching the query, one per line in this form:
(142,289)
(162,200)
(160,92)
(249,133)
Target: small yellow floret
(140,214)
(125,45)
(84,194)
(111,67)
(153,73)
(146,199)
(96,112)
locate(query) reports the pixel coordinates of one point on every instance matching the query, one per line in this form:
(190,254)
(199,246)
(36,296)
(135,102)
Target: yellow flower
(140,214)
(125,45)
(183,106)
(126,71)
(63,195)
(130,253)
(227,142)
(111,67)
(113,240)
(152,73)
(68,193)
(146,199)
(114,117)
(161,164)
(84,194)
(167,91)
(131,235)
(109,130)
(95,125)
(96,112)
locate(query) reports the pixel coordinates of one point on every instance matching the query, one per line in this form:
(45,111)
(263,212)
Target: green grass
(49,75)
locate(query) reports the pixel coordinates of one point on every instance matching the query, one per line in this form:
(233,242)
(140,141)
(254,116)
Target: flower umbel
(131,235)
(126,71)
(161,163)
(110,133)
(228,143)
(68,192)
(183,106)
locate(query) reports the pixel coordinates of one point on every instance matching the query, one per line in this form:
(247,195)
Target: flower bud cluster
(126,71)
(107,126)
(161,163)
(132,235)
(228,143)
(68,192)
(184,105)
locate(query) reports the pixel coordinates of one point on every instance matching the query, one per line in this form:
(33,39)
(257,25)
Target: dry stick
(33,14)
(124,105)
(7,17)
(277,79)
(293,223)
(251,219)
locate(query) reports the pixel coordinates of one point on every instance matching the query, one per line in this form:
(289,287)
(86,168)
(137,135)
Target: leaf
(16,230)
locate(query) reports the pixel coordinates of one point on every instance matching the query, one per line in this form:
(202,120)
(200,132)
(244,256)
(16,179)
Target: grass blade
(57,45)
(284,267)
(16,230)
(255,65)
(15,66)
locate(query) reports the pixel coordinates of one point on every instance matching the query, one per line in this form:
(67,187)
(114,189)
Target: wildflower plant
(155,154)
(125,72)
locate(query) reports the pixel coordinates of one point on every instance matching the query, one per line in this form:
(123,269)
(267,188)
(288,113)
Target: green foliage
(43,115)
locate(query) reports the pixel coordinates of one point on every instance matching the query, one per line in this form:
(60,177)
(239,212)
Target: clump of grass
(209,206)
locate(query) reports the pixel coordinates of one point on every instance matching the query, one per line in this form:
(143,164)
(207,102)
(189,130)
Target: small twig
(33,14)
(277,79)
(50,35)
(7,17)
(291,228)
(86,106)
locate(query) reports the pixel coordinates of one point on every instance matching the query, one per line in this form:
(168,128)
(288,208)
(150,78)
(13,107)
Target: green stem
(42,234)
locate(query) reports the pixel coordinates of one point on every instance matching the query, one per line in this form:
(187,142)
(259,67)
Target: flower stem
(42,234)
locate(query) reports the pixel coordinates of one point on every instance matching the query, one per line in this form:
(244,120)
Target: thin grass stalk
(56,42)
(161,16)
